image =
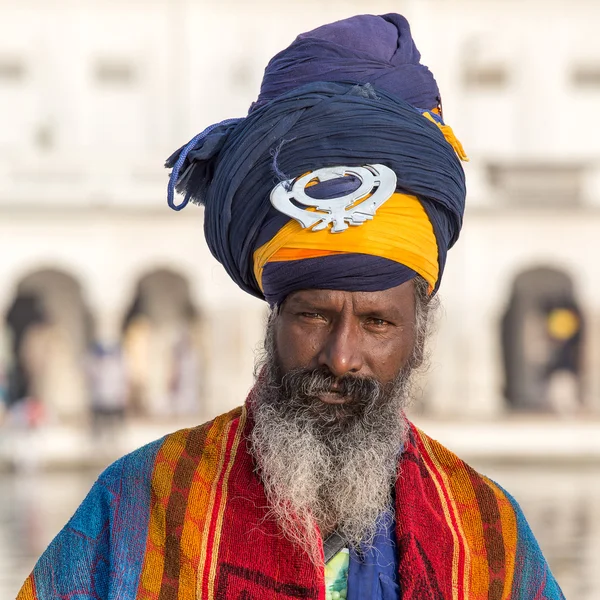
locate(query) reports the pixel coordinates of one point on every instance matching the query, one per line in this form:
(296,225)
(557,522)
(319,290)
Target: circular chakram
(378,183)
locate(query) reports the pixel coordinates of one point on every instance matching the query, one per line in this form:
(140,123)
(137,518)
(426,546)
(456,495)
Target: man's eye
(378,323)
(311,315)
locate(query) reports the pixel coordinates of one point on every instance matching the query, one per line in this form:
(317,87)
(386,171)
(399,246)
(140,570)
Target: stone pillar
(232,335)
(591,367)
(109,297)
(108,321)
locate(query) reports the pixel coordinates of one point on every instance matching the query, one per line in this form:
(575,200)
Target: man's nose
(341,352)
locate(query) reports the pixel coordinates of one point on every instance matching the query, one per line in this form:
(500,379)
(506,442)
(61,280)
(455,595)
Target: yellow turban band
(399,231)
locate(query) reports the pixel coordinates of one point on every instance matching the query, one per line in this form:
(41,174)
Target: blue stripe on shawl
(231,169)
(100,551)
(532,578)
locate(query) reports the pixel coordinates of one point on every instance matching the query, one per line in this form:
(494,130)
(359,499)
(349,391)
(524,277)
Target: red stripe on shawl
(28,591)
(459,591)
(492,534)
(231,439)
(254,559)
(423,536)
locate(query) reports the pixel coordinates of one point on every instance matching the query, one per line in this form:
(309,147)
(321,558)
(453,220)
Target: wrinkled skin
(363,334)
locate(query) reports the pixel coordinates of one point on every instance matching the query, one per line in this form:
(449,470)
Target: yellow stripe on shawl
(162,480)
(460,488)
(221,511)
(28,590)
(400,231)
(204,513)
(450,511)
(508,520)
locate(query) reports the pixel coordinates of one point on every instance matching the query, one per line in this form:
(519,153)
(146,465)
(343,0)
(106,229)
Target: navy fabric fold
(349,272)
(234,168)
(365,49)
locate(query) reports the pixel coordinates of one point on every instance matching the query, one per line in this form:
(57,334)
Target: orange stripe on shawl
(493,535)
(459,553)
(231,441)
(28,590)
(458,481)
(166,462)
(490,545)
(185,469)
(188,466)
(509,533)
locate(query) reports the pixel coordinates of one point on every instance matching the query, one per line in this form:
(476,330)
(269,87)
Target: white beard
(319,477)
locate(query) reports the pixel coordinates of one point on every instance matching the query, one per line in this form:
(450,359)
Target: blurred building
(94,95)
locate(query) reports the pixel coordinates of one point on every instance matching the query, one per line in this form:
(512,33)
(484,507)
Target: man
(336,200)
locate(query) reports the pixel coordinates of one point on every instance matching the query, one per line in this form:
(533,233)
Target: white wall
(82,187)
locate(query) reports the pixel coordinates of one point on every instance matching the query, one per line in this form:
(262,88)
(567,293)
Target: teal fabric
(99,554)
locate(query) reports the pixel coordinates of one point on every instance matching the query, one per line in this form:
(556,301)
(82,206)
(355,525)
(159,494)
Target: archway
(163,344)
(49,328)
(542,341)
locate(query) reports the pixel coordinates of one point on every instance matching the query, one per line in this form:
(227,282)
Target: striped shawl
(186,518)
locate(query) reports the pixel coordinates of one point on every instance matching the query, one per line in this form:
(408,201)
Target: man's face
(328,410)
(361,334)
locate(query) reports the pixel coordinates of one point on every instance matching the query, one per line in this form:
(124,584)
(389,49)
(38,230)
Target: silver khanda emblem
(378,183)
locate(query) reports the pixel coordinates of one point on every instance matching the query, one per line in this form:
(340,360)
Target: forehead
(398,298)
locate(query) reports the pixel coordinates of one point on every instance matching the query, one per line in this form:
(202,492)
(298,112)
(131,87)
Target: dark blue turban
(363,49)
(301,123)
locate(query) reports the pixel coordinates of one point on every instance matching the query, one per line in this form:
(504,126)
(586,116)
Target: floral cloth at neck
(336,576)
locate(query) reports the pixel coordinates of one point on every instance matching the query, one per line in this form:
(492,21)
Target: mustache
(308,384)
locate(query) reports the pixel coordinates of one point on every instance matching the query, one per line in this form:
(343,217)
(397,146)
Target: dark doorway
(49,327)
(163,345)
(542,340)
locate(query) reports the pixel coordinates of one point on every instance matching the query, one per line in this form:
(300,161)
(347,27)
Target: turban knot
(363,49)
(356,108)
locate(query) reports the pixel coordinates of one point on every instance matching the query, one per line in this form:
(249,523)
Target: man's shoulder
(439,458)
(173,449)
(462,494)
(456,478)
(486,524)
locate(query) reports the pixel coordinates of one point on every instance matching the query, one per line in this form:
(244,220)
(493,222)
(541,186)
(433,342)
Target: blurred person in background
(136,344)
(3,377)
(109,389)
(44,375)
(184,381)
(335,200)
(563,373)
(25,313)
